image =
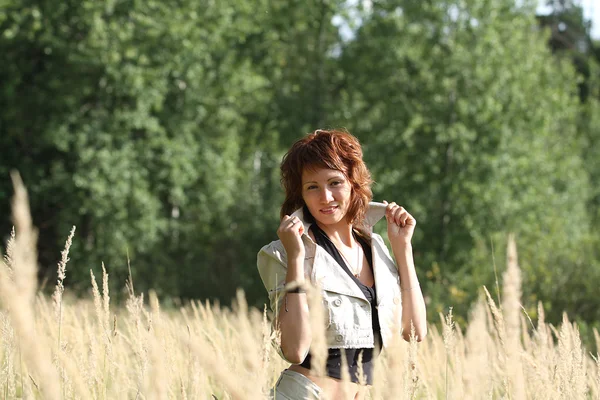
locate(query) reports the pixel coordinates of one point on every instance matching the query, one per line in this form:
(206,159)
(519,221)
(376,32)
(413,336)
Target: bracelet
(293,287)
(296,290)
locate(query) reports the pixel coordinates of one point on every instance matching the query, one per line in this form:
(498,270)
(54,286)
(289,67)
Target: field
(58,348)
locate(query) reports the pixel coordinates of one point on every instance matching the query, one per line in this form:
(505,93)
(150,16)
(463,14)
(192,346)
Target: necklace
(359,256)
(359,260)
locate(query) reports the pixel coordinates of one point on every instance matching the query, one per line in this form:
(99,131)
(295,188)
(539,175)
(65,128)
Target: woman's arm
(413,304)
(401,226)
(293,318)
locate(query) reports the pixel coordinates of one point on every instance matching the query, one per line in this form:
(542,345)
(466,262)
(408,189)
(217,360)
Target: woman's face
(327,194)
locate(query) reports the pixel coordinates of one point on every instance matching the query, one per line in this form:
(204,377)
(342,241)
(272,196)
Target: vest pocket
(334,304)
(347,312)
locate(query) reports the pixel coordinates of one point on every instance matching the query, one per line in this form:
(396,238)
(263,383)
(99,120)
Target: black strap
(323,240)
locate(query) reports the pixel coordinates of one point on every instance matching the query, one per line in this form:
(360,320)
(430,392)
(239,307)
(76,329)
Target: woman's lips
(328,210)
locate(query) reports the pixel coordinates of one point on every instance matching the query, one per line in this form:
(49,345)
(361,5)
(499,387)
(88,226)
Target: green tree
(570,39)
(471,124)
(126,119)
(156,130)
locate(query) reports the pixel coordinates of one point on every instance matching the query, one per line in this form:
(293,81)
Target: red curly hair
(331,149)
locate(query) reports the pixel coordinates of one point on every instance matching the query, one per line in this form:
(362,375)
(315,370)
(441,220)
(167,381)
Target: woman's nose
(326,196)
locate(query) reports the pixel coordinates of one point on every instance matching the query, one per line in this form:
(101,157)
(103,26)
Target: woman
(326,236)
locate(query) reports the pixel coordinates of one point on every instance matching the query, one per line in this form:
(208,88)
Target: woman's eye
(336,183)
(311,187)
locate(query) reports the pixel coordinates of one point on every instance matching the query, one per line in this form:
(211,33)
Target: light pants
(292,385)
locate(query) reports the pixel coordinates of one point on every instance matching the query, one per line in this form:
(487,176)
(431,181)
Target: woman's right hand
(290,233)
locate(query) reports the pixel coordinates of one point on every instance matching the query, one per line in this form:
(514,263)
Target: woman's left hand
(401,225)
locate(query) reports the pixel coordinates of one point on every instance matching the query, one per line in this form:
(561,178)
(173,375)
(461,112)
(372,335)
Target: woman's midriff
(333,388)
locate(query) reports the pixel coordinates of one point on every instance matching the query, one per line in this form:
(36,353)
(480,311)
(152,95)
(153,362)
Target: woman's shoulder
(379,243)
(271,262)
(275,250)
(377,238)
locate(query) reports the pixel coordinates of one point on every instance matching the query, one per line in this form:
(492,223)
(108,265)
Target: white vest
(349,319)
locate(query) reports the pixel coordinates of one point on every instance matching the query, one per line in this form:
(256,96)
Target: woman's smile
(327,194)
(329,210)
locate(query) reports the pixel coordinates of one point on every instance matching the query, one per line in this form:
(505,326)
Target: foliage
(472,124)
(158,129)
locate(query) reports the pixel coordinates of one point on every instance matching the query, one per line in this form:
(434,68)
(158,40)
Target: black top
(334,358)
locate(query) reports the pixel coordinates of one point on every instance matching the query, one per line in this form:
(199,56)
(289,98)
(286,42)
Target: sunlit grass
(67,348)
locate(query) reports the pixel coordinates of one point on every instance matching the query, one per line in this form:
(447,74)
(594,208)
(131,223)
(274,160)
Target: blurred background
(157,129)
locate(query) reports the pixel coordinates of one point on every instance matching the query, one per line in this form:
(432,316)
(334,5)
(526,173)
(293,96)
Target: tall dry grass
(63,348)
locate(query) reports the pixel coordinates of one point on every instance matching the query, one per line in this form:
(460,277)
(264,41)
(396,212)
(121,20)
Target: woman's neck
(339,233)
